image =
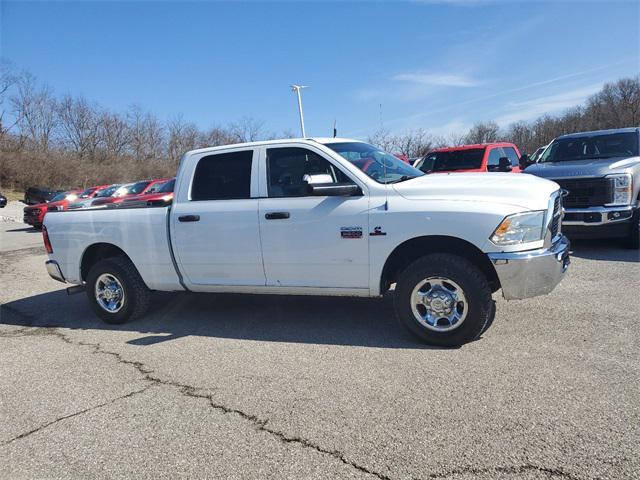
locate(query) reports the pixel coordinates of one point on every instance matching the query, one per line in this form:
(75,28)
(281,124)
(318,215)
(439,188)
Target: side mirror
(334,190)
(525,161)
(317,178)
(504,164)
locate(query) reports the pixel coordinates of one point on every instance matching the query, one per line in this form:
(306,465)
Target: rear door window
(223,176)
(465,159)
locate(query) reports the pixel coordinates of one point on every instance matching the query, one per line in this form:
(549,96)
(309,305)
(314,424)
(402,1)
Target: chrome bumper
(53,269)
(532,273)
(596,216)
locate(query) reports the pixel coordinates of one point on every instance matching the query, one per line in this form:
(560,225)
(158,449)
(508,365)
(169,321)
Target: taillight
(47,242)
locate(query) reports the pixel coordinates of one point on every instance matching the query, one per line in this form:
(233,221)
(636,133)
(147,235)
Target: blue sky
(438,65)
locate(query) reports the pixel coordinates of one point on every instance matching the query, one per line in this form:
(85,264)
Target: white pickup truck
(322,217)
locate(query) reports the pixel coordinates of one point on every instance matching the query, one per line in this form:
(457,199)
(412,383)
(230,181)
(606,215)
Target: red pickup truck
(486,157)
(34,214)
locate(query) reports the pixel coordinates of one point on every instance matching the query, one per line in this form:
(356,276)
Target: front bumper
(53,269)
(597,216)
(531,273)
(33,218)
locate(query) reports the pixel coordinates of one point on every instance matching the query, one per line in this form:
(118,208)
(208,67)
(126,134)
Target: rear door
(310,241)
(215,231)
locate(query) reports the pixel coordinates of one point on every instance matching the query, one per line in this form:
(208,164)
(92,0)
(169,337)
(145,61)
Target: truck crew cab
(304,217)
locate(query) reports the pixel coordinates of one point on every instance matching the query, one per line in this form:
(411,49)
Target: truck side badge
(377,232)
(351,232)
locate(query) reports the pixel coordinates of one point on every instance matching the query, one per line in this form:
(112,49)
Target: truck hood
(516,189)
(597,167)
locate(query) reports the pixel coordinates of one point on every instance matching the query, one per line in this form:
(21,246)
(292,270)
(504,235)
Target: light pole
(297,88)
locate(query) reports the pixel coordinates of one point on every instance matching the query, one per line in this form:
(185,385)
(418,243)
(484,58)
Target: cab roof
(473,145)
(601,132)
(309,140)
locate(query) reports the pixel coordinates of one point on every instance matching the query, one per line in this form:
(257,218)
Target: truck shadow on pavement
(269,318)
(610,250)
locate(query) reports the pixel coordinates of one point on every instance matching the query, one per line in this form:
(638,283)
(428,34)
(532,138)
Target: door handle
(189,218)
(276,215)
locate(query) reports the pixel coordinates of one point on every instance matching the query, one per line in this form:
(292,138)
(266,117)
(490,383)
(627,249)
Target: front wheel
(116,291)
(633,240)
(444,299)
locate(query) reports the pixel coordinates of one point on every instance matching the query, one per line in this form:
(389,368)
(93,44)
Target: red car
(161,193)
(91,192)
(34,214)
(486,157)
(127,191)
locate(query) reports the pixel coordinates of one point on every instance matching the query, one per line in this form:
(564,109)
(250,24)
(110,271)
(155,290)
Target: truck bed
(140,232)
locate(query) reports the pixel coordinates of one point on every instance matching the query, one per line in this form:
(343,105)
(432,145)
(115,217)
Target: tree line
(616,105)
(69,141)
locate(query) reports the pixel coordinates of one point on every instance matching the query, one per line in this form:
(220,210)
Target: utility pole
(296,89)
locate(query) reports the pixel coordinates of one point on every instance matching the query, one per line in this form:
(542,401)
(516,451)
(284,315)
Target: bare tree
(182,137)
(617,104)
(114,134)
(248,129)
(146,134)
(483,132)
(383,139)
(456,139)
(79,125)
(35,109)
(7,81)
(413,143)
(215,137)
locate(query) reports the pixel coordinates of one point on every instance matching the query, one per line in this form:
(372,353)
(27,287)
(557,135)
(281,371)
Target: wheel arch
(410,250)
(98,251)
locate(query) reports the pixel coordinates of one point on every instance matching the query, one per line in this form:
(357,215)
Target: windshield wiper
(403,178)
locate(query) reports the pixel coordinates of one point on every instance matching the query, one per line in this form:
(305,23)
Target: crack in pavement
(186,390)
(75,414)
(259,424)
(513,470)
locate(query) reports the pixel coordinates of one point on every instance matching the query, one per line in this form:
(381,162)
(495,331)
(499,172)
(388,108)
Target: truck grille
(554,226)
(586,192)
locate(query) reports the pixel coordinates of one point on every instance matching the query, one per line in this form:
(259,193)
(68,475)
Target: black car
(34,195)
(3,201)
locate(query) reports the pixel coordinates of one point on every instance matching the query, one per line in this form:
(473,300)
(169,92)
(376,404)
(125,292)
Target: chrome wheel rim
(109,293)
(439,304)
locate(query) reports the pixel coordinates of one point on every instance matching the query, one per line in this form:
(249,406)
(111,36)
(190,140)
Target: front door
(215,233)
(311,241)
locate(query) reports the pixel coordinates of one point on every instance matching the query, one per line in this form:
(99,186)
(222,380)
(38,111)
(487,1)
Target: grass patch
(13,195)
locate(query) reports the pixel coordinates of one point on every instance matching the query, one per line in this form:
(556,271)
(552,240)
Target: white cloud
(436,79)
(529,109)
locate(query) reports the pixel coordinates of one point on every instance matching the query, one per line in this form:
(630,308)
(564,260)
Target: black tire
(633,240)
(471,280)
(137,296)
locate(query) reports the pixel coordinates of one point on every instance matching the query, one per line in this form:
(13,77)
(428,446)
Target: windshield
(138,187)
(60,196)
(87,192)
(167,187)
(590,147)
(466,159)
(378,165)
(107,192)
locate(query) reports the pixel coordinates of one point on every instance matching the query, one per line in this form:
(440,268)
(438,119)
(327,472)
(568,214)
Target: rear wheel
(444,299)
(116,291)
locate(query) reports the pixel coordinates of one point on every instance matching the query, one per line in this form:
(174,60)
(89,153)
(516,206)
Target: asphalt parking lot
(276,387)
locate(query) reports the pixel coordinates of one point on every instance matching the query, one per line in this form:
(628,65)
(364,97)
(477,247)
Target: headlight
(520,228)
(622,190)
